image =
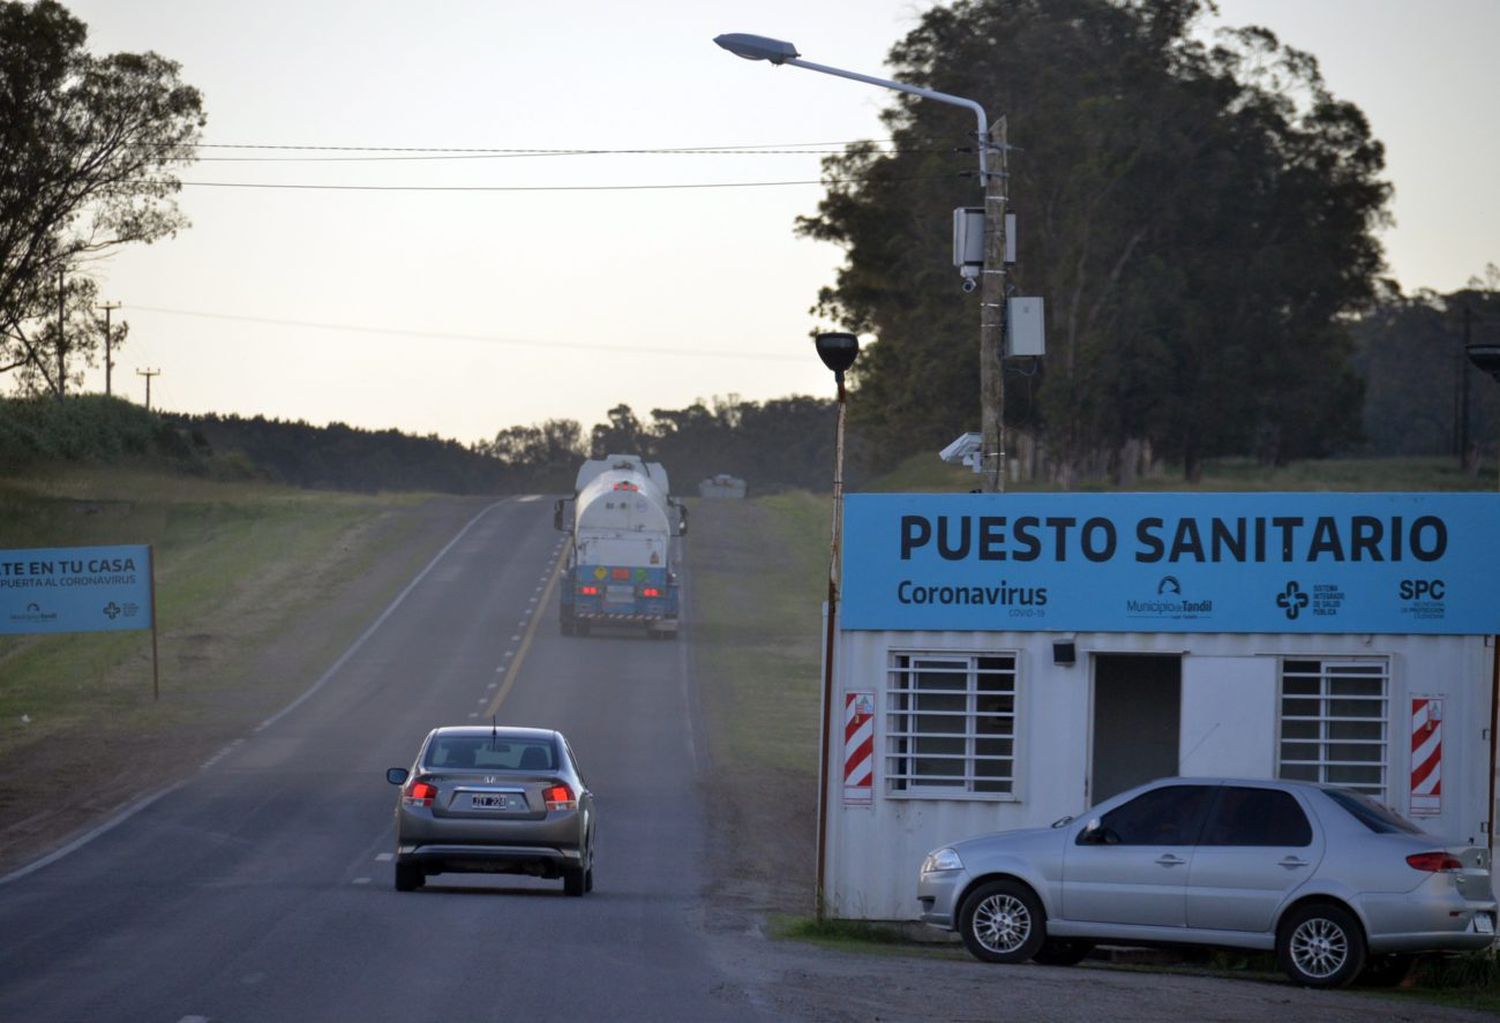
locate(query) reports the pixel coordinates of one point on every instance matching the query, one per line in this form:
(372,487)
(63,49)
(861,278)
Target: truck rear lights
(589,591)
(419,793)
(559,797)
(1434,861)
(650,591)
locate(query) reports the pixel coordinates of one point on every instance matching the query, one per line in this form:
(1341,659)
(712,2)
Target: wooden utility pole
(62,347)
(148,374)
(109,362)
(992,313)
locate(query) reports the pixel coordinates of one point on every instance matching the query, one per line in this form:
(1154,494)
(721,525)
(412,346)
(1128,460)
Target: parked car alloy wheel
(1003,922)
(1321,945)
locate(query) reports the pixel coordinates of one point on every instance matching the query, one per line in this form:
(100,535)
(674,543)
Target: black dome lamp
(838,352)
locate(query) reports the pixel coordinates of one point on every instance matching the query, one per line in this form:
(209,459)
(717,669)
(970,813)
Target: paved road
(261,889)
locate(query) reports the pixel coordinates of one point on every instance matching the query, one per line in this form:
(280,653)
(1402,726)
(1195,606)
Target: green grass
(760,569)
(234,563)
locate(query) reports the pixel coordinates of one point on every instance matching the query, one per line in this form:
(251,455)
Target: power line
(791,147)
(483,339)
(543,188)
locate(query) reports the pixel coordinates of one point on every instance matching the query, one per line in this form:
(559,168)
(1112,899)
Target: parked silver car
(494,800)
(1334,882)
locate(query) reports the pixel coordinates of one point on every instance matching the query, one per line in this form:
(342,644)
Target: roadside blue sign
(1269,563)
(75,589)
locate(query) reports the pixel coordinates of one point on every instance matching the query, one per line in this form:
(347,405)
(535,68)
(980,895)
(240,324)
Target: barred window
(1333,723)
(951,724)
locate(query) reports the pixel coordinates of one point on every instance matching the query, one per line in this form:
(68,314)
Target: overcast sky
(461,312)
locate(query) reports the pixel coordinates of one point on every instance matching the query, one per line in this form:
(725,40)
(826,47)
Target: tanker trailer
(621,565)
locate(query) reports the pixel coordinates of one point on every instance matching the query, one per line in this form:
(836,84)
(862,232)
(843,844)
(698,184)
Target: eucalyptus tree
(1199,217)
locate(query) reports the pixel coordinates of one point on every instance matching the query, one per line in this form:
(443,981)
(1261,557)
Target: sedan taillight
(419,793)
(1434,861)
(559,797)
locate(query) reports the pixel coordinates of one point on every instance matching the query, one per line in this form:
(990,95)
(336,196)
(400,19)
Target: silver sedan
(1336,884)
(494,800)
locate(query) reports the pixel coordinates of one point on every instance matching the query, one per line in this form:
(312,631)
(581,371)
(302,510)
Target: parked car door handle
(1168,860)
(1293,862)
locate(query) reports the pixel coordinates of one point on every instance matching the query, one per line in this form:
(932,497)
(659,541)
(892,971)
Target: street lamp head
(838,351)
(757,47)
(1486,357)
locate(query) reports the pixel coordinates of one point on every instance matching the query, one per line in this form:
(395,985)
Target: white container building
(1099,641)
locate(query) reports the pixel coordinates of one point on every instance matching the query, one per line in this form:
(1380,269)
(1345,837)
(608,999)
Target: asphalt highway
(261,888)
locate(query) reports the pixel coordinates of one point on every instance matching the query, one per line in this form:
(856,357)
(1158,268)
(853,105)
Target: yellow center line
(515,663)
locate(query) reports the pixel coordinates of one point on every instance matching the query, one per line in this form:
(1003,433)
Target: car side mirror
(397,775)
(1093,833)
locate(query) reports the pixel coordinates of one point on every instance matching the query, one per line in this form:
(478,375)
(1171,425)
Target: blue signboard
(1271,563)
(75,589)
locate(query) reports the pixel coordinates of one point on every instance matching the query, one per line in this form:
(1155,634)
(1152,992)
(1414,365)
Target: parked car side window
(1256,817)
(1377,818)
(1172,815)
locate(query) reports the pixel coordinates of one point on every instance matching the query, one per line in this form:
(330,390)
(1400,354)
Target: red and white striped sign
(1426,756)
(859,749)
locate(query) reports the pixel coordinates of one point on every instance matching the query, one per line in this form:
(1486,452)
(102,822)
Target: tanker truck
(620,567)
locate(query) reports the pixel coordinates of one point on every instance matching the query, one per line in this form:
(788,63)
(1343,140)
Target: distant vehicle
(1332,881)
(483,800)
(722,487)
(621,565)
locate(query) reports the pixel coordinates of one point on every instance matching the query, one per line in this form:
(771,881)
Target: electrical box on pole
(1025,333)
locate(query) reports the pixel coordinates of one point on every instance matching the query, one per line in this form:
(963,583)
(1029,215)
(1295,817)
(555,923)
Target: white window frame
(1328,671)
(902,778)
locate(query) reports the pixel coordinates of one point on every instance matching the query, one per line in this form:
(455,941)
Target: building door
(1137,716)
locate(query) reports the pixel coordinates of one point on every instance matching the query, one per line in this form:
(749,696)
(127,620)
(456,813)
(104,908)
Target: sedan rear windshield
(1379,819)
(484,753)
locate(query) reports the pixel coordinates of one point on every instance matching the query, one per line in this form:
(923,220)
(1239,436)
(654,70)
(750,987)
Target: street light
(838,352)
(992,176)
(1486,357)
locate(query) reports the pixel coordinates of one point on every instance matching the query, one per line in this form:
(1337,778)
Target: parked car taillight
(559,797)
(1434,861)
(420,793)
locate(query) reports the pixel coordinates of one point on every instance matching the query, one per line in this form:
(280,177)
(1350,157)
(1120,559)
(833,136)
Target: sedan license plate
(492,801)
(1484,923)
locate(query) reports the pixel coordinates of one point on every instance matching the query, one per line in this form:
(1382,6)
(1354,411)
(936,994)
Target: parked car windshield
(1379,819)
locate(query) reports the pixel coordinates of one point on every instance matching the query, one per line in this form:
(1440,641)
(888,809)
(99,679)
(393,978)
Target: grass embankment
(760,575)
(240,568)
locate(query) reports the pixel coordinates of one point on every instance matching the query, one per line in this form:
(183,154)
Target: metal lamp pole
(838,352)
(991,148)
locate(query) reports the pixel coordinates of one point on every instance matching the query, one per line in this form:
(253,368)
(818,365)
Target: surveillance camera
(969,285)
